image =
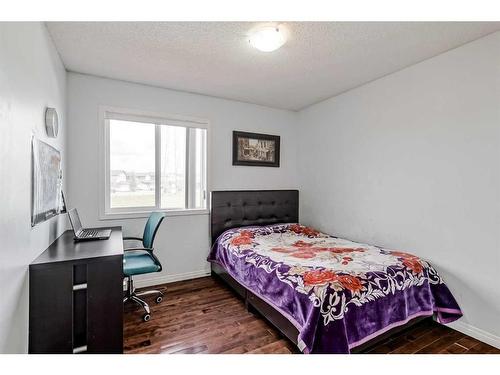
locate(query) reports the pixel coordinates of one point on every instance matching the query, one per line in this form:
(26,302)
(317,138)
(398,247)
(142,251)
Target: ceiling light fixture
(267,38)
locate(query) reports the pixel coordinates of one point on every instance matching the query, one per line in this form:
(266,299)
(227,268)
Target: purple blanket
(339,294)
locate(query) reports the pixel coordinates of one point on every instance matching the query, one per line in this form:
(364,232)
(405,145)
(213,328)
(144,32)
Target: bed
(326,294)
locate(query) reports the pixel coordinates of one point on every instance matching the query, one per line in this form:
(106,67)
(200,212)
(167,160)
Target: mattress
(337,293)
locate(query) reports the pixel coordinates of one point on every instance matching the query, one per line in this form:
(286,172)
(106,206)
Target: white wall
(183,241)
(31,78)
(412,162)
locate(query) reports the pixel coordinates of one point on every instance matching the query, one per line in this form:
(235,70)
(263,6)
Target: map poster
(46,182)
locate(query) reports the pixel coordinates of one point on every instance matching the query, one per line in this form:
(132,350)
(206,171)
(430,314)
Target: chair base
(134,297)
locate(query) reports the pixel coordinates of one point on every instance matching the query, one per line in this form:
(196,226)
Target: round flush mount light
(267,38)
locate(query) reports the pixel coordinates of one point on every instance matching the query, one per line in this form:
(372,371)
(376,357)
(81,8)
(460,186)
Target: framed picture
(46,181)
(253,149)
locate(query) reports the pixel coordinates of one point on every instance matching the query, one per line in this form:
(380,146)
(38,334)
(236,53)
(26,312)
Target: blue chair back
(151,228)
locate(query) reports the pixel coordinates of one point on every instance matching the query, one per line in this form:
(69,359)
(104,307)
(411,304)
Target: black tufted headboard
(232,209)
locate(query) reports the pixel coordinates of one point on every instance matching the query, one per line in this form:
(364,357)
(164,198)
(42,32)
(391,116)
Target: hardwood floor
(205,316)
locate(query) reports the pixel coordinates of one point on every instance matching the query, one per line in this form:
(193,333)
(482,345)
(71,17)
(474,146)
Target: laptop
(86,234)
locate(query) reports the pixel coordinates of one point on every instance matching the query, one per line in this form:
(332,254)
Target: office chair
(141,260)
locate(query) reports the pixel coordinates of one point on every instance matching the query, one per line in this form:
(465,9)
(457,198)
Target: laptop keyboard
(89,233)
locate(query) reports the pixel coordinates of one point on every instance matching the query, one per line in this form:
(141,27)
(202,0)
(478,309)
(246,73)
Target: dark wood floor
(204,316)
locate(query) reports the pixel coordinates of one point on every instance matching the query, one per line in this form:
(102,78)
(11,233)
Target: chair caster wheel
(146,317)
(159,299)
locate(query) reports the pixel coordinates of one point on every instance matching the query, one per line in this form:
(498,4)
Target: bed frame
(233,209)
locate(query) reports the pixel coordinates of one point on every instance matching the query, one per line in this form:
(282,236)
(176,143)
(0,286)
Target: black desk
(76,296)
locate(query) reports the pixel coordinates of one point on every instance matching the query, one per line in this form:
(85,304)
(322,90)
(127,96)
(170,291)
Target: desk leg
(51,309)
(105,305)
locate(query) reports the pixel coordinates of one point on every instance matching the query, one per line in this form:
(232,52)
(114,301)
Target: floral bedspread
(339,294)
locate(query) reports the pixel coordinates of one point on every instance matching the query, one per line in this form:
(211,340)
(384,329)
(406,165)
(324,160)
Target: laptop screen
(75,220)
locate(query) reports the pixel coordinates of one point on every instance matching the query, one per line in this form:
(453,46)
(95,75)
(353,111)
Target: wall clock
(51,122)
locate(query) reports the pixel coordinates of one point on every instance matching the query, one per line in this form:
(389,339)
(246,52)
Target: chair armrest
(138,248)
(132,238)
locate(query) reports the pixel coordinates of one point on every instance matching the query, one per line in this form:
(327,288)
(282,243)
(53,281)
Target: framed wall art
(46,181)
(254,149)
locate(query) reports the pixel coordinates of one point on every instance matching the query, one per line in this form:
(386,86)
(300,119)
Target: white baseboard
(476,333)
(141,283)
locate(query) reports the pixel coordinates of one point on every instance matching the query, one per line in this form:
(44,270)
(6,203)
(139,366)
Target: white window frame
(107,113)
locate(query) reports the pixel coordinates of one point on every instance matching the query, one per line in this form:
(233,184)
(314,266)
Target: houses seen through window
(155,166)
(132,164)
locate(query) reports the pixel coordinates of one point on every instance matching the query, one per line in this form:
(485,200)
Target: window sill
(144,214)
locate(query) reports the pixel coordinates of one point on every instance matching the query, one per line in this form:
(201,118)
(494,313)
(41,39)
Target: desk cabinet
(76,296)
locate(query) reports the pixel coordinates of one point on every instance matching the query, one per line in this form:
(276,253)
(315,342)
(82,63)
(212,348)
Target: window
(153,163)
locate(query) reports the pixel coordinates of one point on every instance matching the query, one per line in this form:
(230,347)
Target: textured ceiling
(319,60)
